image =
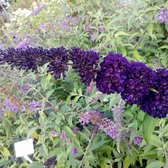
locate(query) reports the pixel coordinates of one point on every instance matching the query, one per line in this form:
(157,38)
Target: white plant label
(24,148)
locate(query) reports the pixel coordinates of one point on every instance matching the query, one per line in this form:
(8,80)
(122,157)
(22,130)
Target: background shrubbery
(54,108)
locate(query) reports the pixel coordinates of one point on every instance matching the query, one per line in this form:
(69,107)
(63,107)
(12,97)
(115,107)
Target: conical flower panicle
(96,118)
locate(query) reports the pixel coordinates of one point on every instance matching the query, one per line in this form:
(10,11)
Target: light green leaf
(35,165)
(155,141)
(164,62)
(126,162)
(150,28)
(97,145)
(155,164)
(164,47)
(4,162)
(165,131)
(45,81)
(71,135)
(120,33)
(45,149)
(123,51)
(49,93)
(5,152)
(137,55)
(149,155)
(148,126)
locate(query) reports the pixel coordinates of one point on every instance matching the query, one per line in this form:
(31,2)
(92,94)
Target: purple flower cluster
(58,60)
(74,151)
(54,133)
(85,118)
(138,140)
(156,103)
(104,124)
(63,137)
(34,105)
(24,89)
(24,59)
(51,162)
(85,63)
(31,58)
(24,44)
(69,22)
(112,75)
(36,11)
(162,16)
(12,107)
(137,83)
(139,80)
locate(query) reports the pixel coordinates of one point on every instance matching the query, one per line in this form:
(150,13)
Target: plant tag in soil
(24,148)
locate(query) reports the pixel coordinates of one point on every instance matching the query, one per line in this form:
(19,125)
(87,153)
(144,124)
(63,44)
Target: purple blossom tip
(138,140)
(74,151)
(162,16)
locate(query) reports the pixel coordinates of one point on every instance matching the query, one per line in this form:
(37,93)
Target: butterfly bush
(112,74)
(156,103)
(85,63)
(58,61)
(96,118)
(31,58)
(138,81)
(24,59)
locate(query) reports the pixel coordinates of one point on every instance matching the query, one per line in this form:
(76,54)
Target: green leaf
(31,131)
(164,47)
(123,51)
(155,164)
(149,155)
(45,81)
(83,136)
(49,93)
(155,141)
(126,162)
(120,33)
(137,55)
(164,62)
(97,145)
(165,131)
(150,28)
(35,165)
(45,149)
(4,162)
(141,115)
(148,126)
(71,135)
(5,152)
